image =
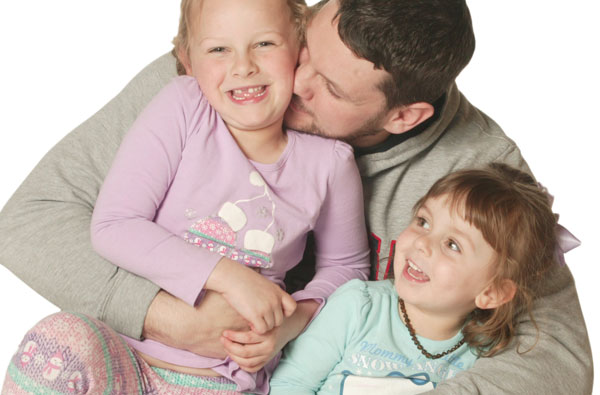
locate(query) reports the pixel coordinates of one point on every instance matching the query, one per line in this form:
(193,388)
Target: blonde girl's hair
(181,42)
(515,217)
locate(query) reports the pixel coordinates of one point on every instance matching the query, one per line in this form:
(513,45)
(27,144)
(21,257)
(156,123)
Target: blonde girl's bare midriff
(177,368)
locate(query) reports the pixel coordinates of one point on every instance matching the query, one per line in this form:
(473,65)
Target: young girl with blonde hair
(209,192)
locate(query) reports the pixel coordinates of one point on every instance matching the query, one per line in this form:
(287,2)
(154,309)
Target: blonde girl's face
(243,54)
(441,262)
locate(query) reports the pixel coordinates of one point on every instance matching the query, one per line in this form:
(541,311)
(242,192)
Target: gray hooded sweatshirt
(54,204)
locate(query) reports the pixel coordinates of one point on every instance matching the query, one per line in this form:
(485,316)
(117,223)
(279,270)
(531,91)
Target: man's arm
(172,321)
(560,361)
(45,226)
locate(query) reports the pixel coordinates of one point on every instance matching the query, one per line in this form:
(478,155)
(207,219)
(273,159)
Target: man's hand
(197,329)
(252,351)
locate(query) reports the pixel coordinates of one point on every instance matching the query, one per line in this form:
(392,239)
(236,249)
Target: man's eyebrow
(332,85)
(336,88)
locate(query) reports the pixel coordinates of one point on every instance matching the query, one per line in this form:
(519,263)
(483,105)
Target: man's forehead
(334,61)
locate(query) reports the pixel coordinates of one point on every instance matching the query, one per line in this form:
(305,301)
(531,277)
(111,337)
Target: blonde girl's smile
(248,95)
(245,69)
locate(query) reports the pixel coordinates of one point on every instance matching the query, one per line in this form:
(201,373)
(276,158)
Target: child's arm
(341,244)
(123,227)
(342,254)
(252,351)
(310,358)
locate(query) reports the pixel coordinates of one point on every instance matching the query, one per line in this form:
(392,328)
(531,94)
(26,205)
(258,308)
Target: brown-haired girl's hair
(515,217)
(181,42)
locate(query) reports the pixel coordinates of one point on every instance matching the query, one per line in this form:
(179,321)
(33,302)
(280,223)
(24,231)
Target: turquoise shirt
(358,344)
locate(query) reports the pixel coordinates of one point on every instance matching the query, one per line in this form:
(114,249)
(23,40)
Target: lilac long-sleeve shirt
(181,194)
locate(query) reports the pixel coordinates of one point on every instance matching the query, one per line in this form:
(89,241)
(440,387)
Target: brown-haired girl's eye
(453,245)
(422,222)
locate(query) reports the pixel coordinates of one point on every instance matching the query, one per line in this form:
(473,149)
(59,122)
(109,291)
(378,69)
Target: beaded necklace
(413,335)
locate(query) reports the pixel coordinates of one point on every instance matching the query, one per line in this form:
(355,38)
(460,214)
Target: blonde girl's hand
(263,303)
(253,351)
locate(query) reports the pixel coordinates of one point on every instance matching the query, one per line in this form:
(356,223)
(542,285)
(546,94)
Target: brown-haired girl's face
(442,263)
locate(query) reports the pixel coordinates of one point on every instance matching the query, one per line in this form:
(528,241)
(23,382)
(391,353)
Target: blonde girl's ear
(495,295)
(184,59)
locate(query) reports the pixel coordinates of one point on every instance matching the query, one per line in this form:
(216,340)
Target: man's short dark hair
(423,44)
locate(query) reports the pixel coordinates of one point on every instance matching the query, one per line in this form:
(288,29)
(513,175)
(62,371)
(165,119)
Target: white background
(535,71)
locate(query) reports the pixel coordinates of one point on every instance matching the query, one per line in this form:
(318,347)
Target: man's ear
(494,296)
(404,118)
(184,58)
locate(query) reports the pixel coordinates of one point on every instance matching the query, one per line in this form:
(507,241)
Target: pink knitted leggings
(68,353)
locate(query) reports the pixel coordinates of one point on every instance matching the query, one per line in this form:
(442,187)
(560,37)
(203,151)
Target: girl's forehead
(452,210)
(234,17)
(453,204)
(224,8)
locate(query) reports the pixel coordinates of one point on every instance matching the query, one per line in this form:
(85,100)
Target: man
(409,126)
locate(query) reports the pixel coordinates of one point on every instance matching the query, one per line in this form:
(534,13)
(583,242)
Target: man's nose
(244,66)
(304,76)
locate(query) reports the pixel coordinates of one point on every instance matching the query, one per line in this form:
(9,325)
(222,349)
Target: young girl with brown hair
(468,264)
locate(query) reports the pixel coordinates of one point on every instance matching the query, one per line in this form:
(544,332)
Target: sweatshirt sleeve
(123,227)
(299,371)
(560,361)
(341,245)
(45,226)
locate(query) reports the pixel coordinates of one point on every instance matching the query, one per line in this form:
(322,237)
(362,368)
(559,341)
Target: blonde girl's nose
(244,65)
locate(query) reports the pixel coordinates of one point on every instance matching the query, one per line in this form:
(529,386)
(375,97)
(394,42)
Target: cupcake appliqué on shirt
(219,233)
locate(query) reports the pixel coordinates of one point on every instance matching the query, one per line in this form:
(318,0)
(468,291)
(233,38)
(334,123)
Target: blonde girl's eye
(263,44)
(217,50)
(453,246)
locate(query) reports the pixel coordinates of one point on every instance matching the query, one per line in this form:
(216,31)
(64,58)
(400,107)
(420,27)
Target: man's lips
(296,105)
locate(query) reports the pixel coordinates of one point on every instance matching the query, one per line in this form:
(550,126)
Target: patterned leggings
(68,353)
